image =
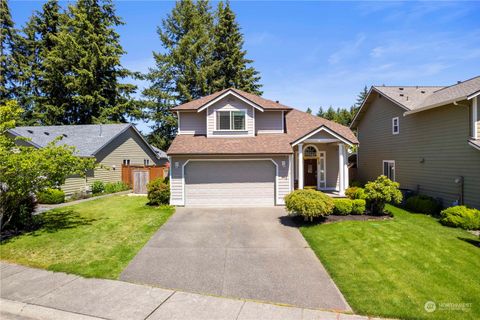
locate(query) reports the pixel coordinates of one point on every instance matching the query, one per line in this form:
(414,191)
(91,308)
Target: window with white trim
(389,169)
(126,162)
(231,120)
(146,162)
(395,125)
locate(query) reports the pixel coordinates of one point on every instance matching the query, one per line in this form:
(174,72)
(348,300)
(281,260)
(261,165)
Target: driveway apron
(250,253)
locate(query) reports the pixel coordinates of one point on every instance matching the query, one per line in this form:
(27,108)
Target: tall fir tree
(309,111)
(82,69)
(232,68)
(183,71)
(9,64)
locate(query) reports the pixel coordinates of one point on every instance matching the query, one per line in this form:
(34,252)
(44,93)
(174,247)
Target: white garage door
(230,183)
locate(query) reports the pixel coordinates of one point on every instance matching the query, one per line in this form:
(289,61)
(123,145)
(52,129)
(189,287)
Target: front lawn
(97,238)
(392,268)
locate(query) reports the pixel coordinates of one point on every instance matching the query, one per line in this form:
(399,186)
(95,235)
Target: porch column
(300,166)
(341,170)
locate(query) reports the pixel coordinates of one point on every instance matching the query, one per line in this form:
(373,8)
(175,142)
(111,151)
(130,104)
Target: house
(238,149)
(116,147)
(425,138)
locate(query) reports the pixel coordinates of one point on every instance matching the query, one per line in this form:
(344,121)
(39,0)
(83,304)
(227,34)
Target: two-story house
(425,138)
(237,149)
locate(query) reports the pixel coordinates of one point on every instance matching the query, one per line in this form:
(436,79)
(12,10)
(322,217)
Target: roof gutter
(436,105)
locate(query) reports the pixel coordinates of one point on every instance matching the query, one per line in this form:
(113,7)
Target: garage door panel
(230,183)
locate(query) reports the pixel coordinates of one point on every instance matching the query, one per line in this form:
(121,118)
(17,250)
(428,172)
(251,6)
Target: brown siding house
(425,138)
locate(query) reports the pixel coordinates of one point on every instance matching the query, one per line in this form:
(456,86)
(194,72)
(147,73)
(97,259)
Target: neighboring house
(425,138)
(113,146)
(238,149)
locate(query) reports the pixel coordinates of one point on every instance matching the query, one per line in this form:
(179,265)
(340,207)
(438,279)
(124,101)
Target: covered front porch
(321,162)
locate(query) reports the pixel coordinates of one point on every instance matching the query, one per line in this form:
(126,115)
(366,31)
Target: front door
(310,169)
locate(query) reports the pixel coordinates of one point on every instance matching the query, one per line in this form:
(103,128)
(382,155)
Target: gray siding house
(112,145)
(238,149)
(425,138)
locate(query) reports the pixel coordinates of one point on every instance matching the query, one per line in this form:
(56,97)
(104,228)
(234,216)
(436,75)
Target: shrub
(356,183)
(380,192)
(342,207)
(358,206)
(355,193)
(461,217)
(309,204)
(98,187)
(158,192)
(423,204)
(51,196)
(112,187)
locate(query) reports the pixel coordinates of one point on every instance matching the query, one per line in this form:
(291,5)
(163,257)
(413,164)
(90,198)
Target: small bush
(51,196)
(358,206)
(423,204)
(309,204)
(461,217)
(342,207)
(112,187)
(356,183)
(158,192)
(380,192)
(98,187)
(355,193)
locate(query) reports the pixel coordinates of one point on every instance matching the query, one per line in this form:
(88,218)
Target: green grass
(391,268)
(97,238)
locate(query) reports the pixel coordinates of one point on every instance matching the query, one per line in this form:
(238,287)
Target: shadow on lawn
(64,219)
(471,241)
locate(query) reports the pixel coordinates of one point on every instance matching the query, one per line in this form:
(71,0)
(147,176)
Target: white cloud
(348,49)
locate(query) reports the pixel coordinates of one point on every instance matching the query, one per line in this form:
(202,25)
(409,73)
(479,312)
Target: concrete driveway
(250,253)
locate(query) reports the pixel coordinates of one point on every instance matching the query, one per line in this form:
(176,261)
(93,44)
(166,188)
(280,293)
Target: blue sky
(313,54)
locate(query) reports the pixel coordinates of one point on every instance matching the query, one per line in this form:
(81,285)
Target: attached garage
(230,183)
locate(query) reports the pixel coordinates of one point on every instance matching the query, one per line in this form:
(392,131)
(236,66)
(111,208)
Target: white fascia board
(322,128)
(227,93)
(473,95)
(436,105)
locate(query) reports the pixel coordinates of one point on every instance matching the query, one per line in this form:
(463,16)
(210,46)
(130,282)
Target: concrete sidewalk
(28,293)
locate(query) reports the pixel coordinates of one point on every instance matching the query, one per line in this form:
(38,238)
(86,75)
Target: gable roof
(87,139)
(256,100)
(419,98)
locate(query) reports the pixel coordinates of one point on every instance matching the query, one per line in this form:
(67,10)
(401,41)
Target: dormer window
(231,120)
(395,126)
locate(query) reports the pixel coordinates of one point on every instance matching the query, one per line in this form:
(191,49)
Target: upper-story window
(395,125)
(231,120)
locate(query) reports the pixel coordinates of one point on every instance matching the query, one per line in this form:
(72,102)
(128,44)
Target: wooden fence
(154,172)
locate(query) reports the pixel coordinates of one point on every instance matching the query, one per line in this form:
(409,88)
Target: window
(146,162)
(389,169)
(310,152)
(395,126)
(126,162)
(231,120)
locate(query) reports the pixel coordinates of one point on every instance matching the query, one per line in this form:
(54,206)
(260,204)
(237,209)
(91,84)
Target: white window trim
(398,125)
(227,93)
(245,113)
(394,169)
(322,128)
(277,201)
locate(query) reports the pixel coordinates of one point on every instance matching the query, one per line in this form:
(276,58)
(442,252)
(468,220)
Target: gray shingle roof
(409,97)
(160,153)
(87,139)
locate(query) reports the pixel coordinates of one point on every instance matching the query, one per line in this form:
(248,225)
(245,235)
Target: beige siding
(269,122)
(430,151)
(128,145)
(193,123)
(230,103)
(283,185)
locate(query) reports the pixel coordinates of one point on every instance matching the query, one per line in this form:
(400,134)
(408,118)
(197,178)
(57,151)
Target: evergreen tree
(309,111)
(361,97)
(9,67)
(82,68)
(231,67)
(183,71)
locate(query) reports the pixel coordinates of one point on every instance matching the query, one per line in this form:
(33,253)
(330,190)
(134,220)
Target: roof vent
(30,131)
(401,94)
(423,91)
(277,101)
(400,88)
(65,135)
(459,82)
(46,133)
(101,130)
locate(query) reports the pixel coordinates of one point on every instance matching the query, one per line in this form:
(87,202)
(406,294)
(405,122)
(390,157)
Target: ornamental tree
(380,192)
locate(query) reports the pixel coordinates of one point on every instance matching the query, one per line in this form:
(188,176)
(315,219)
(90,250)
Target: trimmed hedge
(423,204)
(461,217)
(98,187)
(342,207)
(112,187)
(51,196)
(309,204)
(355,193)
(158,192)
(359,206)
